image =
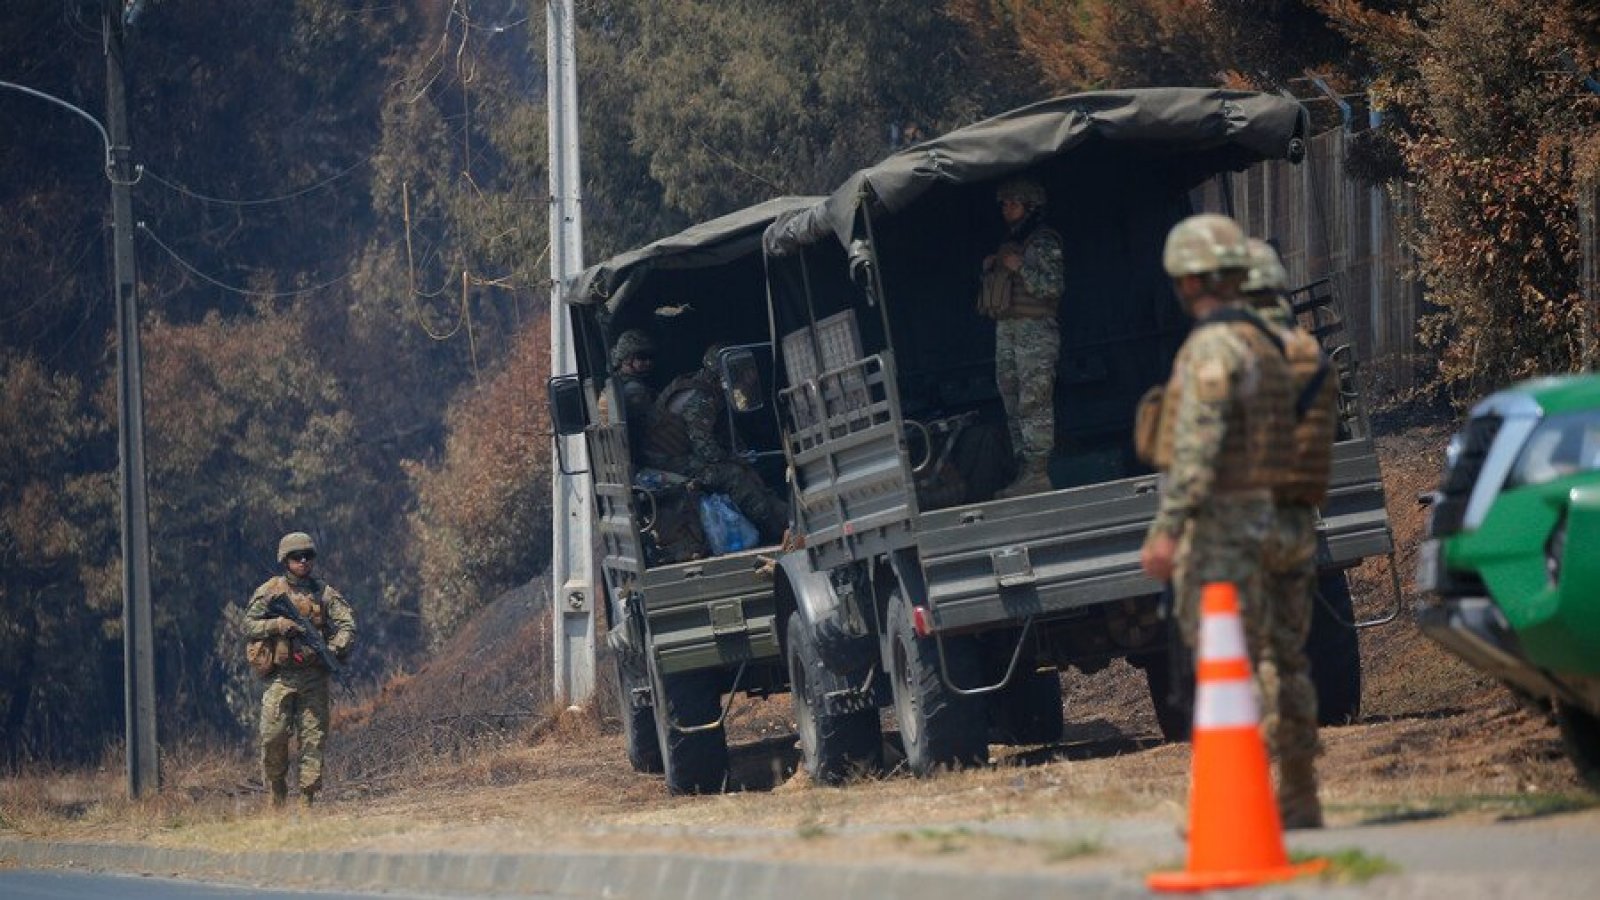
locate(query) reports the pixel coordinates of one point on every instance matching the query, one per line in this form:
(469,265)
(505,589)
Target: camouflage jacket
(696,399)
(639,410)
(1043,276)
(1222,378)
(337,619)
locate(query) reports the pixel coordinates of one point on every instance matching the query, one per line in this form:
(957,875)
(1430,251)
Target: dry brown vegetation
(463,754)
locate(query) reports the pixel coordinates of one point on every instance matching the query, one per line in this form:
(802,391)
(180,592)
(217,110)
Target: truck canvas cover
(1204,131)
(723,240)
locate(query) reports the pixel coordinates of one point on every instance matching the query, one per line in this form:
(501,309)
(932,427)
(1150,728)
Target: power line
(232,288)
(259,201)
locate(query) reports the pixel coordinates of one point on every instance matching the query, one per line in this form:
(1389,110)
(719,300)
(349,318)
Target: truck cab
(917,589)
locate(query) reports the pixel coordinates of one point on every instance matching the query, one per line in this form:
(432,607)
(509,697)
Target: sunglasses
(301,556)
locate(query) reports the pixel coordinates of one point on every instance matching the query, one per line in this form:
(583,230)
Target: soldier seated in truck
(694,435)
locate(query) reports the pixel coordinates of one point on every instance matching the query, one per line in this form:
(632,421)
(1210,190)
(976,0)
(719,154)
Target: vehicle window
(1560,446)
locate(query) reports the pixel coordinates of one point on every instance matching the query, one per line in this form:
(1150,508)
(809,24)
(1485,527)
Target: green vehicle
(1512,555)
(688,627)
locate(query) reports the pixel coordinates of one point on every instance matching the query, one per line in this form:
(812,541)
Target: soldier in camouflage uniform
(297,698)
(1289,699)
(1022,285)
(1223,442)
(632,359)
(691,436)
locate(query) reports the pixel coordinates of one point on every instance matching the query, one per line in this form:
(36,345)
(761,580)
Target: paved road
(32,884)
(1549,858)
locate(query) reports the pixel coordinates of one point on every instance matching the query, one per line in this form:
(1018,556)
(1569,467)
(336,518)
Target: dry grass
(437,761)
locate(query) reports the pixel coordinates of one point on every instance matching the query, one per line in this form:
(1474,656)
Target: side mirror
(741,380)
(568,410)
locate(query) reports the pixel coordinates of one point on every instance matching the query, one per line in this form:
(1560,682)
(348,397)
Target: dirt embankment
(465,753)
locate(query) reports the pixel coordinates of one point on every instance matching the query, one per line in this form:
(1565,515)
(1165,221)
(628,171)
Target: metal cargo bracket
(1013,567)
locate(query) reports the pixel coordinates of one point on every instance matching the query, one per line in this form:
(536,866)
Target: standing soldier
(297,697)
(1223,441)
(1289,560)
(1022,284)
(693,411)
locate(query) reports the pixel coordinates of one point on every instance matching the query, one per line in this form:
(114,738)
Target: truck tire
(833,746)
(1028,710)
(1169,676)
(638,722)
(1334,652)
(1580,732)
(939,728)
(695,762)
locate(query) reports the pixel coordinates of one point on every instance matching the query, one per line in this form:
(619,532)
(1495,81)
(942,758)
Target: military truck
(1512,553)
(916,589)
(687,627)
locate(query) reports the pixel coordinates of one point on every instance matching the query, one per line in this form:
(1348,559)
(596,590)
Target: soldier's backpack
(1147,428)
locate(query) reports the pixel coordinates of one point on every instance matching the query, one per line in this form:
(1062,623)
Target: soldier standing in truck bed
(1022,284)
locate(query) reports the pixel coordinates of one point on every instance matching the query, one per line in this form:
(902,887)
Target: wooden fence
(1327,225)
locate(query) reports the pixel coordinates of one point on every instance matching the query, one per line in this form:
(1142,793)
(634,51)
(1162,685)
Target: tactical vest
(1257,446)
(672,431)
(1316,398)
(1023,304)
(291,652)
(665,443)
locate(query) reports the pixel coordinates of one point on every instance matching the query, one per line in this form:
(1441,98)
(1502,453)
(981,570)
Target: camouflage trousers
(1277,640)
(750,494)
(1221,542)
(1025,354)
(296,701)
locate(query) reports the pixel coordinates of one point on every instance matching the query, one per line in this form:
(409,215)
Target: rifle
(309,634)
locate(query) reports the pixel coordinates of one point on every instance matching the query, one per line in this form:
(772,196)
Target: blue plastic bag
(727,530)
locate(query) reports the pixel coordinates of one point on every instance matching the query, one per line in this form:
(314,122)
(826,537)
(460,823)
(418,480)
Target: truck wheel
(638,722)
(1029,709)
(1334,652)
(834,745)
(1580,732)
(1169,675)
(938,727)
(695,762)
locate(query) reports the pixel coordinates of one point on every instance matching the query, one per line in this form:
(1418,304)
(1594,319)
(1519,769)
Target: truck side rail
(622,554)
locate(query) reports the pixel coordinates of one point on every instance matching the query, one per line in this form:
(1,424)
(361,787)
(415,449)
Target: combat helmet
(1026,191)
(711,358)
(294,542)
(1206,244)
(1267,274)
(631,343)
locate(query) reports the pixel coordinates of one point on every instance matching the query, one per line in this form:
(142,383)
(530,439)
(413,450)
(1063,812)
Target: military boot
(1298,806)
(279,793)
(1033,479)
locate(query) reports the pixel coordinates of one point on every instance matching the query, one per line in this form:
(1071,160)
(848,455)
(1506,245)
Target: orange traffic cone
(1235,837)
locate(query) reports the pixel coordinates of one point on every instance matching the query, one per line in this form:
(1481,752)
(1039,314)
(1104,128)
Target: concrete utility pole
(572,553)
(138,647)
